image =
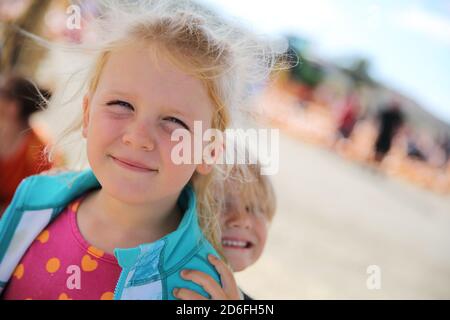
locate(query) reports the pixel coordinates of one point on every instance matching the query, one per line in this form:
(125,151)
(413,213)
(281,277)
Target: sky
(406,41)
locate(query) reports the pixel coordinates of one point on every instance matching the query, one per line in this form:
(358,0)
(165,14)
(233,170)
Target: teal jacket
(149,271)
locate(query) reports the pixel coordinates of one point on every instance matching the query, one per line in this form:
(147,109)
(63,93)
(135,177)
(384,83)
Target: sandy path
(335,218)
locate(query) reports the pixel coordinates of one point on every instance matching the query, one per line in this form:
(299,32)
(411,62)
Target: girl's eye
(177,121)
(120,103)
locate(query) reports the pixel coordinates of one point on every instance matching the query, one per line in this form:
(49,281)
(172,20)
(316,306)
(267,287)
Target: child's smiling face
(244,232)
(128,122)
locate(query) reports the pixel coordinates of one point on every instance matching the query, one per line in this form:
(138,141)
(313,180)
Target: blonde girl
(125,227)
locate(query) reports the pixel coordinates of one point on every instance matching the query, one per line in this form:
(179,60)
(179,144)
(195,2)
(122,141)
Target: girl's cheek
(261,227)
(110,128)
(168,145)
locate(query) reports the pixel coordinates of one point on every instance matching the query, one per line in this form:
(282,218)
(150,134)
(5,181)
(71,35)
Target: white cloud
(426,23)
(275,16)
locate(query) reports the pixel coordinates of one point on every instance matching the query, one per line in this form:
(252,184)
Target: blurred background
(364,121)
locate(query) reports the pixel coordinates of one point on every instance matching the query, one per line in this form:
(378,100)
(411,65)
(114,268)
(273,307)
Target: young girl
(127,226)
(249,209)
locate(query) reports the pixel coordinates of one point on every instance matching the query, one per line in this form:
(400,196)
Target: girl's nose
(139,137)
(238,218)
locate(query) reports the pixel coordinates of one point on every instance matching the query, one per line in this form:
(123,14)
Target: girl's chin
(237,260)
(238,266)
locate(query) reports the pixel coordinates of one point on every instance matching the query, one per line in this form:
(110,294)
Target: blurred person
(348,116)
(413,147)
(250,206)
(390,119)
(445,145)
(21,148)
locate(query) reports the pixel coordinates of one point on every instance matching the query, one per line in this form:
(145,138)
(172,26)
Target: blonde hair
(226,57)
(246,184)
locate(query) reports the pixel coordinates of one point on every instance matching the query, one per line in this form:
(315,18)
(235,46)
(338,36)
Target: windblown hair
(245,184)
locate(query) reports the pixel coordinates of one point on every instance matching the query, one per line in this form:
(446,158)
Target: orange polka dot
(88,264)
(96,252)
(107,296)
(64,296)
(43,236)
(53,265)
(75,206)
(28,299)
(19,271)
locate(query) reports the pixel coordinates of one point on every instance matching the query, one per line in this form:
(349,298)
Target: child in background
(21,149)
(159,66)
(249,209)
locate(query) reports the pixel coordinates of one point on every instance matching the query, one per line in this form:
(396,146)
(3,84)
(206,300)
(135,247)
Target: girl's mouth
(127,164)
(236,244)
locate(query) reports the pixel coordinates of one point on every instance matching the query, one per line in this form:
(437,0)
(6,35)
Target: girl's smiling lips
(132,165)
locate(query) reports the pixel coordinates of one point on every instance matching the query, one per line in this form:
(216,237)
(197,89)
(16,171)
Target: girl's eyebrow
(120,93)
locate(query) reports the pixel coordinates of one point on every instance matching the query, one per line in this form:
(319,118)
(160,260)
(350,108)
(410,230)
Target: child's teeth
(232,243)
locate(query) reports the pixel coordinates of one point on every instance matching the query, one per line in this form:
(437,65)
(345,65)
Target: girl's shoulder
(46,191)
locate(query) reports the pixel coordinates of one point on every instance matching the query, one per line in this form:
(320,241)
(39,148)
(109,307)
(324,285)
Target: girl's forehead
(137,73)
(137,66)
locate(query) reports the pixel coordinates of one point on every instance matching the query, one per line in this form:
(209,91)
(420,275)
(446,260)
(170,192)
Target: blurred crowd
(345,110)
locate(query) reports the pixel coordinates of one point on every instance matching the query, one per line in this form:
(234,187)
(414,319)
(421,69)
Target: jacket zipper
(120,283)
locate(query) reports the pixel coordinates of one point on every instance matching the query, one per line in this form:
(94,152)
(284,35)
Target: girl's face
(244,232)
(128,122)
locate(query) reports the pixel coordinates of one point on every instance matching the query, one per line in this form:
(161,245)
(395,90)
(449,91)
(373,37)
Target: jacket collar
(178,245)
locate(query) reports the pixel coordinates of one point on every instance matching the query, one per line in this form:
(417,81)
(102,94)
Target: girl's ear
(204,168)
(85,115)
